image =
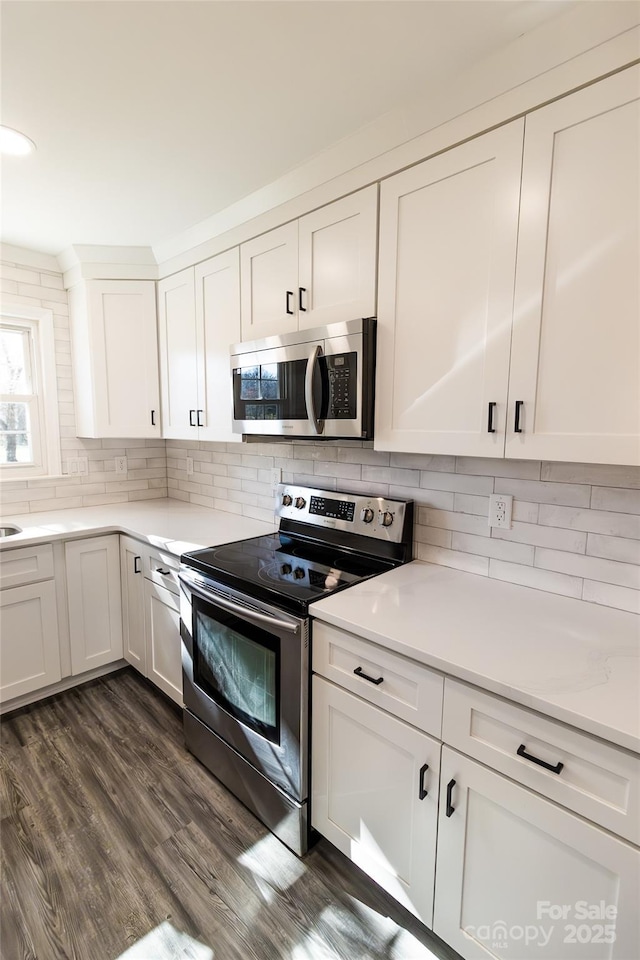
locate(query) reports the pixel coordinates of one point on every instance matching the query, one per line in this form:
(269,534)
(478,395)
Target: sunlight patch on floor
(167,943)
(273,862)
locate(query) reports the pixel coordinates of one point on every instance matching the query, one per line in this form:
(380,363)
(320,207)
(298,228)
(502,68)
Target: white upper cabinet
(575,363)
(178,355)
(448,239)
(316,270)
(199,319)
(217,327)
(462,324)
(115,358)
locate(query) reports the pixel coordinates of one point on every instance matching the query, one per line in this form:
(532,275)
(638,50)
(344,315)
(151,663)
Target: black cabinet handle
(165,573)
(288,305)
(358,672)
(301,290)
(199,421)
(490,426)
(136,564)
(516,426)
(153,418)
(421,788)
(450,806)
(192,414)
(522,752)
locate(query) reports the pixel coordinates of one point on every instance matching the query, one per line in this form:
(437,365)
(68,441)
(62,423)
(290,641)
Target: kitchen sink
(9,530)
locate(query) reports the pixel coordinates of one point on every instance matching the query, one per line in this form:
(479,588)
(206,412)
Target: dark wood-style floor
(117,843)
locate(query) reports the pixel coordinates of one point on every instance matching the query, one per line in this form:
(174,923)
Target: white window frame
(46,433)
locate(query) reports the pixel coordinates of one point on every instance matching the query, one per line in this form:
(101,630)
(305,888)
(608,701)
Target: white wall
(575,531)
(34,285)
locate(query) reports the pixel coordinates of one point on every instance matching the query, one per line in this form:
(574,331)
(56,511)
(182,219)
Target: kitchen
(524,629)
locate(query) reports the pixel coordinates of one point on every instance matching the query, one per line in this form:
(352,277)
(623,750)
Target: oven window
(238,666)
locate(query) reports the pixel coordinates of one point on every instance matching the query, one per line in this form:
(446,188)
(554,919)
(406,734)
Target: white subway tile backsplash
(571,495)
(488,547)
(456,482)
(554,537)
(490,467)
(613,548)
(422,461)
(450,520)
(591,568)
(453,558)
(597,474)
(592,521)
(398,476)
(611,596)
(538,579)
(616,499)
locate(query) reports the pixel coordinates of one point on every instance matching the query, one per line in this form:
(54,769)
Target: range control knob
(285,569)
(387,519)
(367,515)
(299,573)
(287,500)
(300,503)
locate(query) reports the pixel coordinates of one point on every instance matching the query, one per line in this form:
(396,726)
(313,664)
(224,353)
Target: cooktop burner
(325,543)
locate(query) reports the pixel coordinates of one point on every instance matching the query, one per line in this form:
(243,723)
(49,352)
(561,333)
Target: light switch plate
(189,466)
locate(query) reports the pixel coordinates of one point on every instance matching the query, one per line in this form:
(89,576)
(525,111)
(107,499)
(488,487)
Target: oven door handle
(310,372)
(245,612)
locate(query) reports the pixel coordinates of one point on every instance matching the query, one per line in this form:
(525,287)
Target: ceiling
(151,116)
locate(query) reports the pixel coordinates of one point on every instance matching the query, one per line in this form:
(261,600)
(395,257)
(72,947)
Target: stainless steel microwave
(314,383)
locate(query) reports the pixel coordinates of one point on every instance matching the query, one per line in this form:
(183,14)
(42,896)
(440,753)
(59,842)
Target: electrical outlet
(121,466)
(73,468)
(276,478)
(83,466)
(189,466)
(500,505)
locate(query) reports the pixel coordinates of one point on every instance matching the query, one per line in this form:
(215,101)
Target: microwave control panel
(342,375)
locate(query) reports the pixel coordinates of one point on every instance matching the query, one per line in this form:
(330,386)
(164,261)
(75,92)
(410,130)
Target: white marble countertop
(571,660)
(171,524)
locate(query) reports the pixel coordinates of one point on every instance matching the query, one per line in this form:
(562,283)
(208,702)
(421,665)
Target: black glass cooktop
(278,569)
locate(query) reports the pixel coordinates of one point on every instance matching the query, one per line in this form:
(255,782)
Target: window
(29,435)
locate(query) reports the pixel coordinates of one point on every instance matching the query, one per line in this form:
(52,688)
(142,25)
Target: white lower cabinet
(29,642)
(162,639)
(151,615)
(95,610)
(519,877)
(375,793)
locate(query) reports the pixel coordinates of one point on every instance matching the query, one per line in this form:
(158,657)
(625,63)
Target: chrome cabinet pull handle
(315,355)
(555,768)
(359,673)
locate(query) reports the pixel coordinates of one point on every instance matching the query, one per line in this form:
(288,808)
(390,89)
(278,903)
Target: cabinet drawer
(597,780)
(26,565)
(407,689)
(161,567)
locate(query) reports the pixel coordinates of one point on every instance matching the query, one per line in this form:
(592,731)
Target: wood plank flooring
(118,845)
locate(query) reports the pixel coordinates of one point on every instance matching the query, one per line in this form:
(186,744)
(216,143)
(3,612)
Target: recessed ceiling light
(15,144)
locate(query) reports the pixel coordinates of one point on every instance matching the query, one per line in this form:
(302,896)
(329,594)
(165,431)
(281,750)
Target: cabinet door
(164,646)
(367,773)
(448,231)
(115,346)
(179,362)
(132,581)
(29,647)
(510,863)
(575,361)
(337,260)
(95,611)
(218,326)
(269,283)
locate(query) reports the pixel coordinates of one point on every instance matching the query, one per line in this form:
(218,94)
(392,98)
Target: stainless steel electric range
(246,633)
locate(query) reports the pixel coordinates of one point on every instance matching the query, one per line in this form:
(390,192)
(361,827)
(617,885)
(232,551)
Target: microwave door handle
(243,612)
(312,363)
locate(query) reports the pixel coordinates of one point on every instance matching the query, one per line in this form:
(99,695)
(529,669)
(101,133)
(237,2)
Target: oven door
(246,677)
